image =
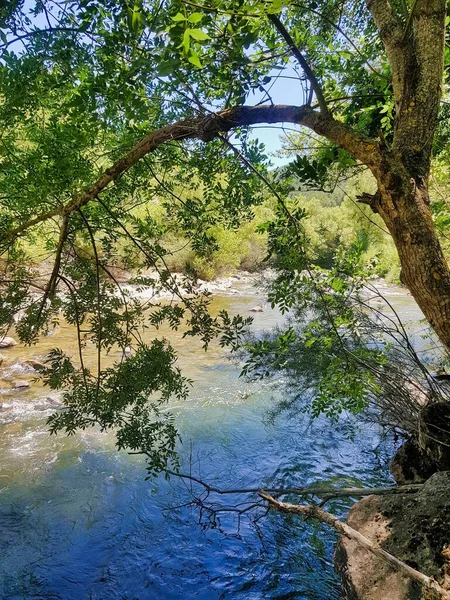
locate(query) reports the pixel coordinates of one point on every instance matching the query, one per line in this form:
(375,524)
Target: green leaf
(195,17)
(194,59)
(167,67)
(275,7)
(186,41)
(198,34)
(178,17)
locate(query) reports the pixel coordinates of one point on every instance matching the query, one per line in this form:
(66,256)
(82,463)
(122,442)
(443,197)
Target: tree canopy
(108,107)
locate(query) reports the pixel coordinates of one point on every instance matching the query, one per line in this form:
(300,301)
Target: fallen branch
(318,513)
(306,491)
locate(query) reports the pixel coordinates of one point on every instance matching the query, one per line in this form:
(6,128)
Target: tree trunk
(404,206)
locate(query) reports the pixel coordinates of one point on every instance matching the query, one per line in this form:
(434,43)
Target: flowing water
(78,521)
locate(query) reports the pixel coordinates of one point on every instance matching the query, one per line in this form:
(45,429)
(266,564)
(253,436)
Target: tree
(99,74)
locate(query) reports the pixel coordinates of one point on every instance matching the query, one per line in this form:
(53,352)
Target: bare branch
(303,63)
(50,288)
(305,491)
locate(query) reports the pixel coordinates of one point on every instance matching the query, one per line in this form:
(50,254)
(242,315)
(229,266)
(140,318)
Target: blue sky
(284,91)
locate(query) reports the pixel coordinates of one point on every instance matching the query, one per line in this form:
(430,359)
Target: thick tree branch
(207,128)
(418,106)
(303,63)
(391,33)
(318,513)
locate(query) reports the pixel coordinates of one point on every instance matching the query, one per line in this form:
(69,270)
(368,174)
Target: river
(78,521)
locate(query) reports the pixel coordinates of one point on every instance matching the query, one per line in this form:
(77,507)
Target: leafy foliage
(339,352)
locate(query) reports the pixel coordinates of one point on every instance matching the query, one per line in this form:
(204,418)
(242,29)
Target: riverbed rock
(34,364)
(21,385)
(257,309)
(413,527)
(411,464)
(7,342)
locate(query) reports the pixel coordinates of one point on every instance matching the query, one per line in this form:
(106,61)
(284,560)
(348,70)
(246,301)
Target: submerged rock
(49,403)
(413,527)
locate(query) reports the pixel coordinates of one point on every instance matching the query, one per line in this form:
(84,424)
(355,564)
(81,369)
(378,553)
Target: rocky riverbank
(414,527)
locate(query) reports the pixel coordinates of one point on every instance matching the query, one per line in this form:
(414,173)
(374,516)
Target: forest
(225,299)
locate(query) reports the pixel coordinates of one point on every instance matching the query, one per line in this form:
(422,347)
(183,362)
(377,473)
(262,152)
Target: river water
(78,521)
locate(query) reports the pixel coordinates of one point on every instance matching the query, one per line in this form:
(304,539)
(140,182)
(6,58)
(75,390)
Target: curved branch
(208,127)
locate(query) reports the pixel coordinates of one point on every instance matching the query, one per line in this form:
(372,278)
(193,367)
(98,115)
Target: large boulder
(413,527)
(429,451)
(434,434)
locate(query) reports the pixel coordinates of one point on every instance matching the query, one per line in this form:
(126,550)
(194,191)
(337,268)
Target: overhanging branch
(206,128)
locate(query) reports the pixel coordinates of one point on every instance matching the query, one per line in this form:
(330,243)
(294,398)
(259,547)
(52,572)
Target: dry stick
(305,491)
(318,513)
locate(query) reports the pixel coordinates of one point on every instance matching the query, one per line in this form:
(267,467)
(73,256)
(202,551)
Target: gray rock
(34,364)
(257,309)
(21,385)
(413,527)
(411,464)
(7,342)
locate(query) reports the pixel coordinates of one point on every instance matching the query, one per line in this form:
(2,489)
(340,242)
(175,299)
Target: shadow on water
(78,521)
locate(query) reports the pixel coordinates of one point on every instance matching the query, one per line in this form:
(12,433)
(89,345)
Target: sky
(284,91)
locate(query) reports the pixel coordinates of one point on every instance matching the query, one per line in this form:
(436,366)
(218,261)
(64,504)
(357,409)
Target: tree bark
(404,206)
(416,56)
